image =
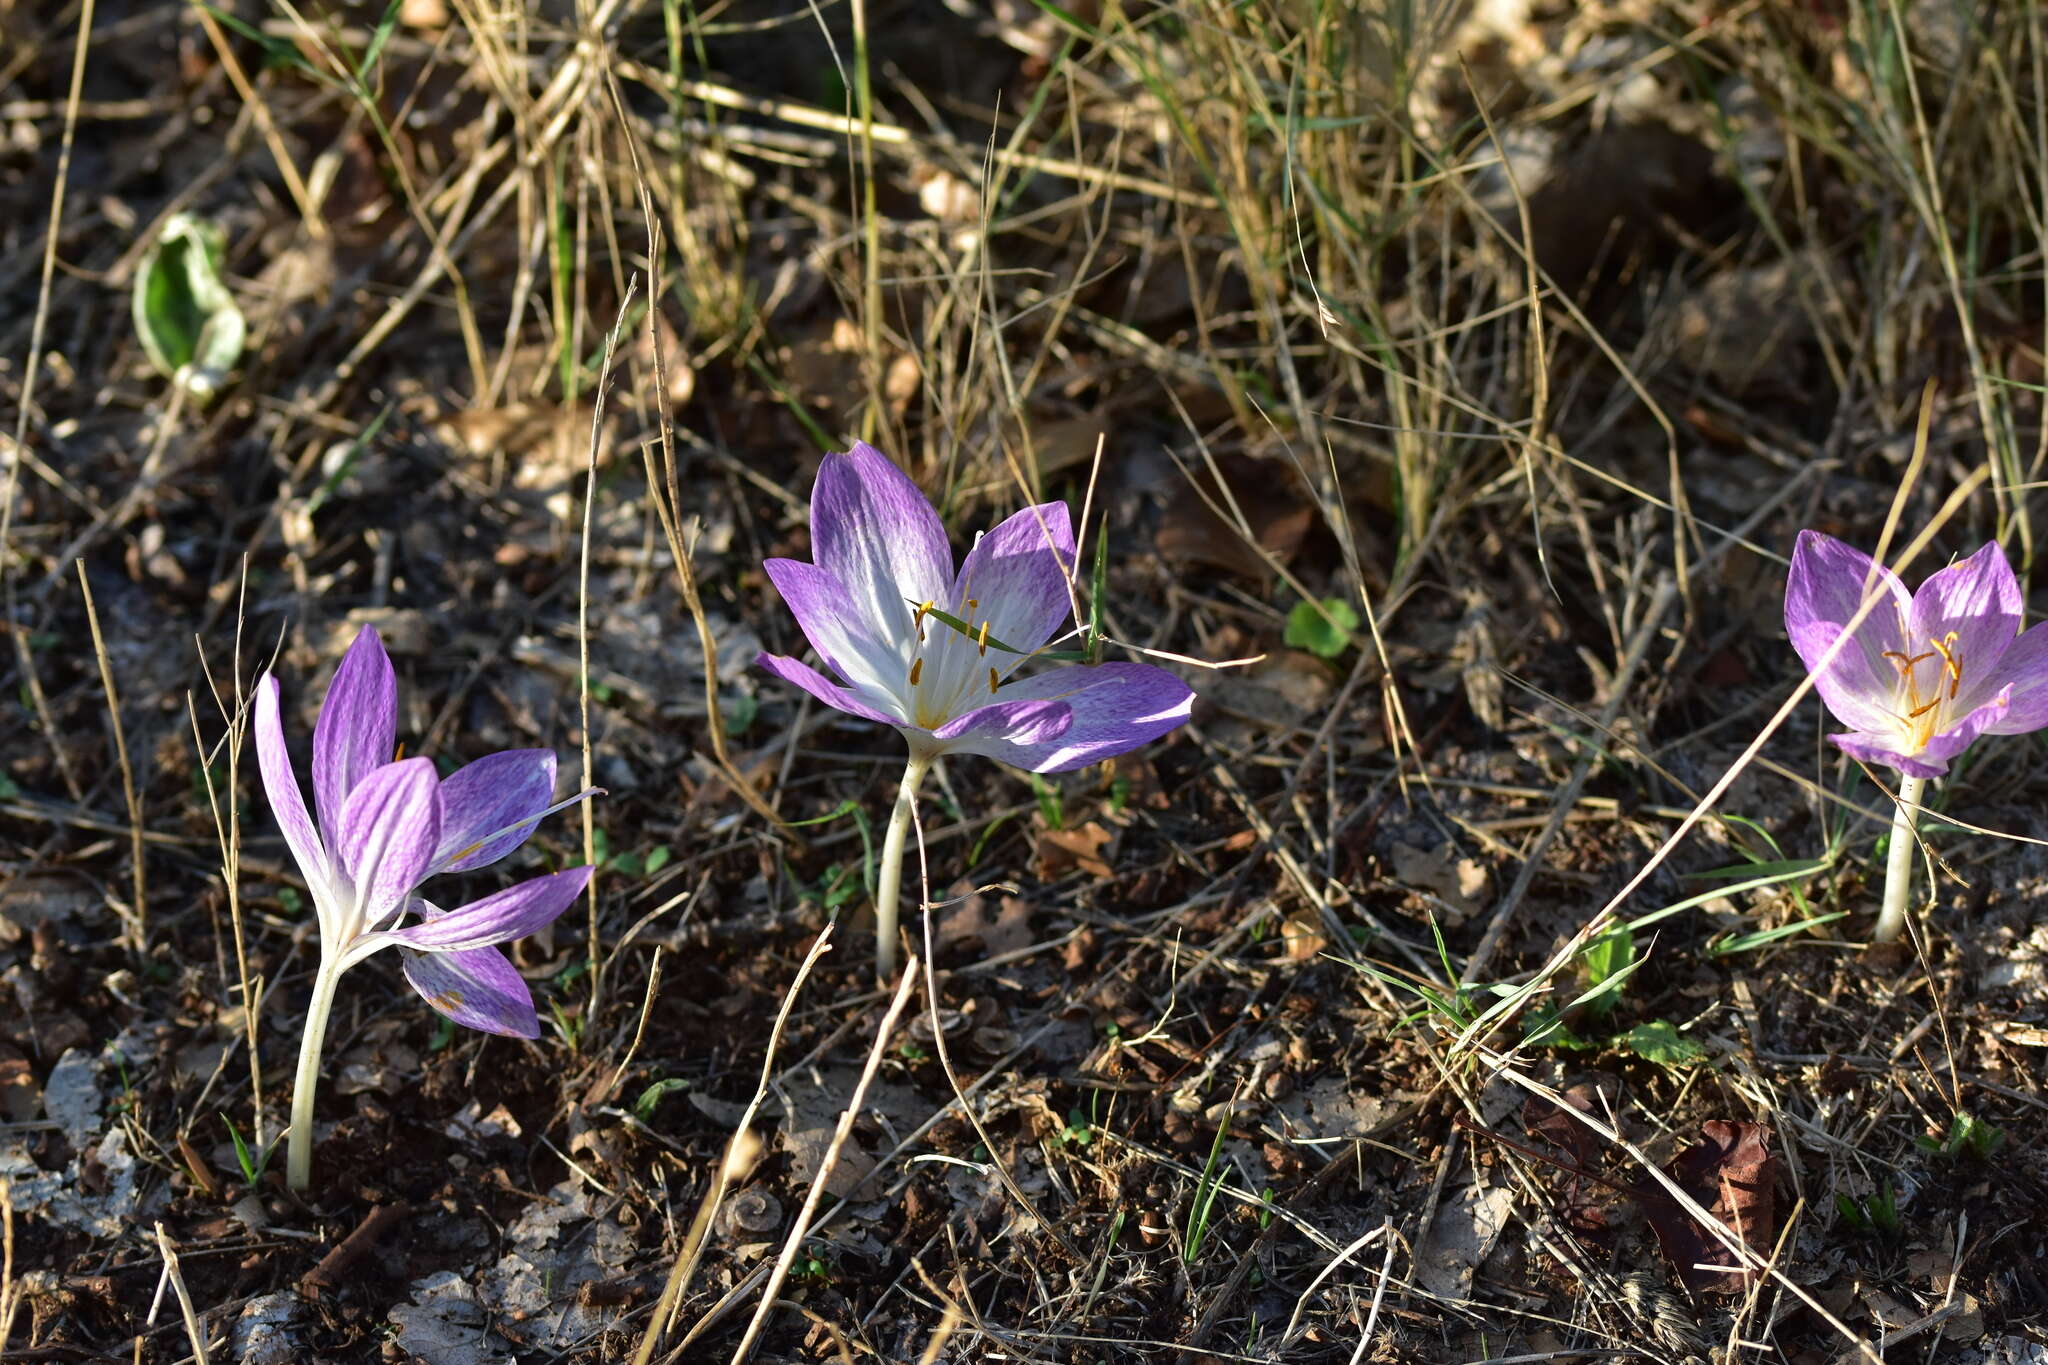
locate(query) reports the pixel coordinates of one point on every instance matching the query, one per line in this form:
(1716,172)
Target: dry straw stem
(138,910)
(176,1280)
(604,377)
(11,1293)
(740,1155)
(1662,595)
(228,836)
(800,1228)
(931,999)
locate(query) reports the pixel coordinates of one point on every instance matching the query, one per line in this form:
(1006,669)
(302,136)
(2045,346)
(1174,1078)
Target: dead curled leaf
(1729,1172)
(995,925)
(1579,1198)
(1061,850)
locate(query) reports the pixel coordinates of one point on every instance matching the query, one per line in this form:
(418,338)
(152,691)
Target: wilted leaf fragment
(184,314)
(1579,1202)
(1731,1174)
(1324,631)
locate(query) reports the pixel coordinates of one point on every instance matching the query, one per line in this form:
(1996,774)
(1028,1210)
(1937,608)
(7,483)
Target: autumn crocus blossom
(384,828)
(934,652)
(1922,676)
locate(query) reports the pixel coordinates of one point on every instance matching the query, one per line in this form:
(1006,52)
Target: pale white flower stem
(889,877)
(1898,863)
(299,1145)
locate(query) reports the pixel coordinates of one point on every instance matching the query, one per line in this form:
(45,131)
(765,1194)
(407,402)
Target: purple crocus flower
(882,563)
(1923,674)
(384,828)
(875,606)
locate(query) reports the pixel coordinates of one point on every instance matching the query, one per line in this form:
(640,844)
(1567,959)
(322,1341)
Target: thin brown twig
(138,916)
(800,1228)
(604,378)
(740,1154)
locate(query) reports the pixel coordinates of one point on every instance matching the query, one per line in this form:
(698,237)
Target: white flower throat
(1923,713)
(949,669)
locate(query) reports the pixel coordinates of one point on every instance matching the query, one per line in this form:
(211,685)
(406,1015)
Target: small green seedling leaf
(1966,1135)
(1547,1028)
(651,1098)
(251,1162)
(1324,633)
(1659,1041)
(1607,959)
(738,713)
(1049,804)
(186,318)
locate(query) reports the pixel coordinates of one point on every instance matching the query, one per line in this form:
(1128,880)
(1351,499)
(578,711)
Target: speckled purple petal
(874,531)
(845,640)
(512,913)
(1978,601)
(390,827)
(1113,708)
(2024,669)
(357,727)
(1822,594)
(1932,760)
(823,688)
(1017,576)
(489,807)
(281,786)
(477,989)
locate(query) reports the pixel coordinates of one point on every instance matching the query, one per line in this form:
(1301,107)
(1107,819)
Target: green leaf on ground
(1324,633)
(186,318)
(1659,1041)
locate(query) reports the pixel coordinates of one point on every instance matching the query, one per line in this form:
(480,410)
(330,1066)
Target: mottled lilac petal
(357,727)
(281,786)
(874,532)
(845,640)
(1883,750)
(1017,577)
(1013,721)
(1931,759)
(1822,594)
(489,807)
(1978,601)
(2024,669)
(501,917)
(477,989)
(823,688)
(390,827)
(1114,709)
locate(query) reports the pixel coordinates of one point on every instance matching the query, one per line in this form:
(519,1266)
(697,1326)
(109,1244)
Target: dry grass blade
(740,1155)
(176,1279)
(840,1132)
(138,910)
(604,377)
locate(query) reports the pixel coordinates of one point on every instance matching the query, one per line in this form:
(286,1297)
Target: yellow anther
(982,642)
(991,681)
(973,604)
(916,667)
(918,619)
(1950,664)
